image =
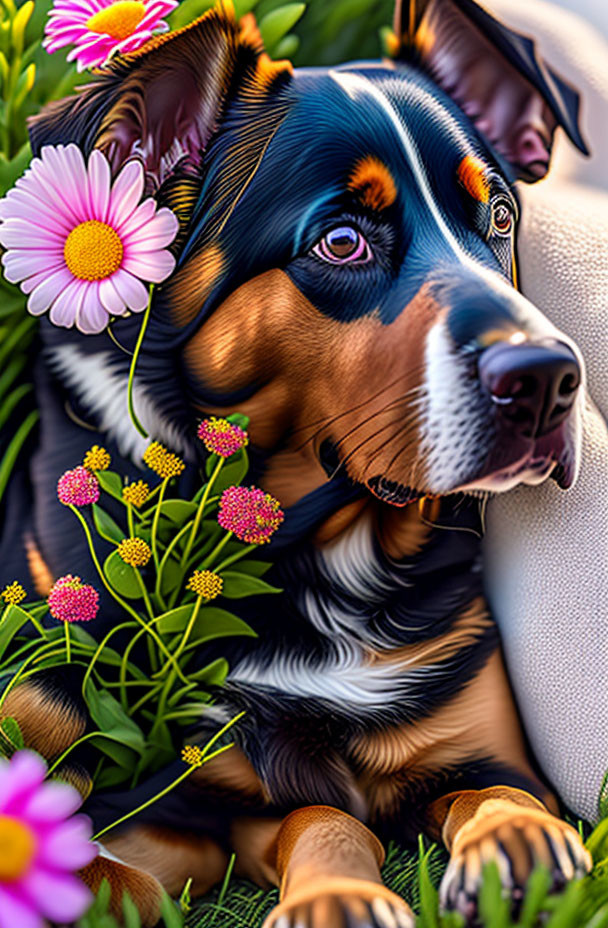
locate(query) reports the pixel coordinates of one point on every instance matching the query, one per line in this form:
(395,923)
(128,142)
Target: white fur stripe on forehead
(357,86)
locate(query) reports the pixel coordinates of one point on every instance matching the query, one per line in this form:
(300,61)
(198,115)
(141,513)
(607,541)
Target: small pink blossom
(78,487)
(42,845)
(71,600)
(222,437)
(253,516)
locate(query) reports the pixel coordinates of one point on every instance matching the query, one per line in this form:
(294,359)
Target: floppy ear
(160,104)
(495,75)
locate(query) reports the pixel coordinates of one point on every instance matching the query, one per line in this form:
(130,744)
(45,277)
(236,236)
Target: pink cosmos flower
(42,844)
(222,437)
(100,28)
(78,487)
(253,516)
(80,245)
(71,600)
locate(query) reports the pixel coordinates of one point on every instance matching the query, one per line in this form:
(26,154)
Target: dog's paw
(517,839)
(145,891)
(342,903)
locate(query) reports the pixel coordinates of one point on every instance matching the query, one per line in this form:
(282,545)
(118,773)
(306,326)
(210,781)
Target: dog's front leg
(510,827)
(328,864)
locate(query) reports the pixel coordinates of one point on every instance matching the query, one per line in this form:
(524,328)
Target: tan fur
(47,725)
(42,577)
(144,889)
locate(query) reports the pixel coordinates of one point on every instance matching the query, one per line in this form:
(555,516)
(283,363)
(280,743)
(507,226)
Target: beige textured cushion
(547,551)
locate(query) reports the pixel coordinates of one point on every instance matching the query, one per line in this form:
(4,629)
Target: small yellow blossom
(13,593)
(163,462)
(136,493)
(97,458)
(134,551)
(205,583)
(192,755)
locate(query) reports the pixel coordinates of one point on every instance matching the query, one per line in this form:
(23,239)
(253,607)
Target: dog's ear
(495,75)
(160,104)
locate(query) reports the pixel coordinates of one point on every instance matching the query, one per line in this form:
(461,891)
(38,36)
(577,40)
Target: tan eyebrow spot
(472,175)
(373,183)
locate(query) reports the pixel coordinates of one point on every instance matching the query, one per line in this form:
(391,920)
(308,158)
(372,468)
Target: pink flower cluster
(253,516)
(42,844)
(78,487)
(71,600)
(222,437)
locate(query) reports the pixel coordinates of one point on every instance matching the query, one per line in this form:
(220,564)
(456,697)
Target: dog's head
(346,261)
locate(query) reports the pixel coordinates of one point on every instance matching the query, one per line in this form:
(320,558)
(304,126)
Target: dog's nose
(532,385)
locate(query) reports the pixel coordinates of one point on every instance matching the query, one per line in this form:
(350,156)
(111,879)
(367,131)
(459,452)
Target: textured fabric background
(547,550)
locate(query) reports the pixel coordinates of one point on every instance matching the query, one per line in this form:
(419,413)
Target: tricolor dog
(346,277)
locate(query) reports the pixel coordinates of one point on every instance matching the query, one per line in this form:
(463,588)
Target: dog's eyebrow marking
(355,85)
(373,183)
(472,174)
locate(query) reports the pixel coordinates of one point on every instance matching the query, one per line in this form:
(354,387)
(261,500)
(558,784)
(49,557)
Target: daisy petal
(46,292)
(63,311)
(99,185)
(59,896)
(157,233)
(126,193)
(110,298)
(154,266)
(131,290)
(68,845)
(25,773)
(15,911)
(91,317)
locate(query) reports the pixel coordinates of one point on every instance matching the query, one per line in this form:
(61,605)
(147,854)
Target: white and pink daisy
(42,844)
(99,29)
(80,245)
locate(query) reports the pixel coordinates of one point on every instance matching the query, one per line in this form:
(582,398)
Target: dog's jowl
(346,277)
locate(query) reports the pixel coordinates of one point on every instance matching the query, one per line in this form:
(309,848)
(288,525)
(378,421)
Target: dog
(346,276)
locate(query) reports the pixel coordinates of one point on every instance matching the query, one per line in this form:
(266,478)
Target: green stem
(100,647)
(120,600)
(210,558)
(155,521)
(130,520)
(134,359)
(14,680)
(144,594)
(167,789)
(68,650)
(185,637)
(200,510)
(235,557)
(166,557)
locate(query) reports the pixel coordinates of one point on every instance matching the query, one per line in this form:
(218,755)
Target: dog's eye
(502,217)
(343,245)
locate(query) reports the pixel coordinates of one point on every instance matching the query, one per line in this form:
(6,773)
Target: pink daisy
(78,487)
(42,844)
(100,28)
(222,437)
(71,600)
(253,516)
(80,245)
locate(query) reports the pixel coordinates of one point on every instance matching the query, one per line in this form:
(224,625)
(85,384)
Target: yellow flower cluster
(192,755)
(134,551)
(13,594)
(163,462)
(205,583)
(97,458)
(136,493)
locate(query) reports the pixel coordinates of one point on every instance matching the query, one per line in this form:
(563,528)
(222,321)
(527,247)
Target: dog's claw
(517,840)
(367,905)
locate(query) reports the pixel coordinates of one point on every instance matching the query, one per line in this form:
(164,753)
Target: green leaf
(178,510)
(429,898)
(122,576)
(110,482)
(253,568)
(238,585)
(287,47)
(276,24)
(237,418)
(112,720)
(210,623)
(106,526)
(493,906)
(130,912)
(13,619)
(232,473)
(112,776)
(171,577)
(11,735)
(214,674)
(537,888)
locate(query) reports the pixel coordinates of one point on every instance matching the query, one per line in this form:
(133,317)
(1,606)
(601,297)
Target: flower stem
(200,510)
(130,520)
(235,557)
(68,649)
(134,359)
(185,637)
(155,521)
(211,557)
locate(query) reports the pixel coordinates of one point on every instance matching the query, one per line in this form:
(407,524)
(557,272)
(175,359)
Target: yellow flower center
(93,250)
(119,20)
(17,848)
